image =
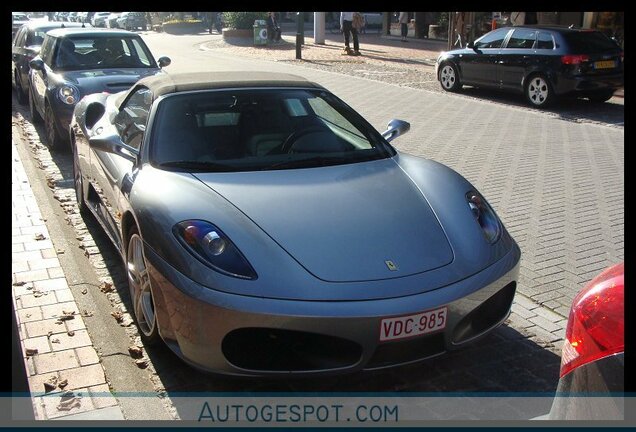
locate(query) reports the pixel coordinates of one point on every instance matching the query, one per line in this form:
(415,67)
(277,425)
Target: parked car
(18,19)
(269,229)
(111,21)
(132,20)
(74,62)
(99,19)
(26,45)
(593,357)
(541,62)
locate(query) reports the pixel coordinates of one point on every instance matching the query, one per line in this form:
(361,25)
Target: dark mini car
(542,62)
(26,45)
(592,378)
(75,62)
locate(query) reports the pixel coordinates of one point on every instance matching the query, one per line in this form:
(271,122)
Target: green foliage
(443,20)
(242,20)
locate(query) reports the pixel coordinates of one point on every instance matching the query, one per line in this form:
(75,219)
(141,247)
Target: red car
(591,384)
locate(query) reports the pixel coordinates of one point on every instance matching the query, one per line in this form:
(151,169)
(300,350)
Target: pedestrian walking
(349,31)
(404,25)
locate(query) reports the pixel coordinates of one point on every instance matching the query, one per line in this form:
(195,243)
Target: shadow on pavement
(570,108)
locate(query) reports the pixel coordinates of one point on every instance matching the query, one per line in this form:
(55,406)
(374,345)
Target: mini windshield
(268,129)
(99,52)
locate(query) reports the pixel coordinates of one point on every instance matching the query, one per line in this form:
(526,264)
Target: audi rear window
(588,42)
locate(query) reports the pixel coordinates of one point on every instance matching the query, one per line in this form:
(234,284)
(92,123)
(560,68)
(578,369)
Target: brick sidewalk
(375,48)
(66,379)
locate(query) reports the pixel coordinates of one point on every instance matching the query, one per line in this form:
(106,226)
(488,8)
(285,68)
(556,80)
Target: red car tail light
(596,326)
(574,59)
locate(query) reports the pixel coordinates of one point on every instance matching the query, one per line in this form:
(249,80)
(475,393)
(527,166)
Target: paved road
(557,185)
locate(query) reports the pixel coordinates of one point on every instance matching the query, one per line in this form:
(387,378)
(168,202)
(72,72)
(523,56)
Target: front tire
(78,182)
(36,118)
(53,138)
(449,77)
(140,289)
(538,91)
(21,95)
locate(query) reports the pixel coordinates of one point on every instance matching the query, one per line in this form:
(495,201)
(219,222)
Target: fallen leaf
(50,384)
(117,315)
(56,341)
(106,287)
(59,251)
(63,383)
(87,313)
(49,334)
(84,291)
(141,363)
(70,333)
(19,283)
(31,351)
(67,316)
(135,351)
(68,402)
(39,236)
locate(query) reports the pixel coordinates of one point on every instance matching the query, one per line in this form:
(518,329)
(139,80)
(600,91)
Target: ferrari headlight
(69,94)
(484,215)
(208,243)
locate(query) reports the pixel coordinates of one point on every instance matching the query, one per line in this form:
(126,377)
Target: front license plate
(605,64)
(412,325)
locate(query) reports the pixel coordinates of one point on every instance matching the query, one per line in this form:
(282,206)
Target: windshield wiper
(310,162)
(199,165)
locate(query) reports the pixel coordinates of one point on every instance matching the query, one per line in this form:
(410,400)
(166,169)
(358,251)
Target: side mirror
(164,61)
(111,143)
(395,128)
(471,45)
(37,64)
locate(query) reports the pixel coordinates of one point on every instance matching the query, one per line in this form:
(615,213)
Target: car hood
(356,222)
(107,80)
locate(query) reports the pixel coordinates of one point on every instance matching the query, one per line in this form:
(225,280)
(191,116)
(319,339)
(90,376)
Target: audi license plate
(412,325)
(605,64)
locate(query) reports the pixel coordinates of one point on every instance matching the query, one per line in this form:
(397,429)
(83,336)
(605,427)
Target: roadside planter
(183,27)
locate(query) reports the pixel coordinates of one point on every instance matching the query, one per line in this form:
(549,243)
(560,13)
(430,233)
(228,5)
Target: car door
(18,54)
(112,174)
(516,57)
(478,64)
(39,78)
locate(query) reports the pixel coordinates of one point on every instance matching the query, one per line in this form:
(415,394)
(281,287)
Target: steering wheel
(288,144)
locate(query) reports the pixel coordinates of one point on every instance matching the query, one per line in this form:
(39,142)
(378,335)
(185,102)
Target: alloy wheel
(139,285)
(447,77)
(538,91)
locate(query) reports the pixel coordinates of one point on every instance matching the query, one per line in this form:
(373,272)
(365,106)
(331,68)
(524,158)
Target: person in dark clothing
(273,29)
(346,27)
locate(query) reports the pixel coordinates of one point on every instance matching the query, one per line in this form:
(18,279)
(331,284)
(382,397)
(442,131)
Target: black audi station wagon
(543,62)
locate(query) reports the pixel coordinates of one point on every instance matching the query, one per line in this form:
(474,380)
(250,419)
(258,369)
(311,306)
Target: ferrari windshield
(260,129)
